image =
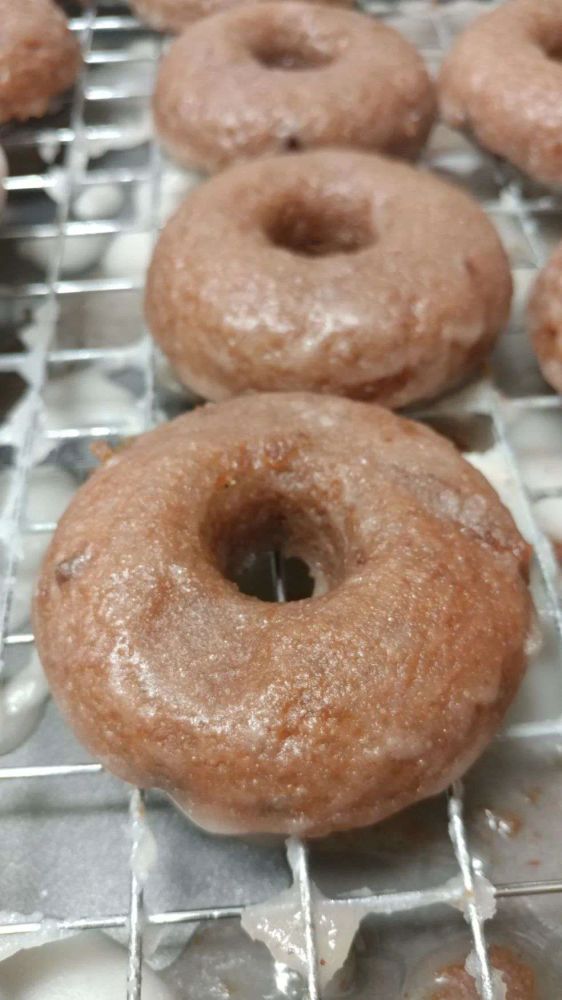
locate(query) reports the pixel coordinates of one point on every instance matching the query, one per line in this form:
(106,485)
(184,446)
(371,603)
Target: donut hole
(271,576)
(322,228)
(289,48)
(273,548)
(553,50)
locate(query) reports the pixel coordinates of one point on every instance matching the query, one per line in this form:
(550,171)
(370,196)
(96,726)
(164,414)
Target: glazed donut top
(332,271)
(39,57)
(503,79)
(174,15)
(318,714)
(274,77)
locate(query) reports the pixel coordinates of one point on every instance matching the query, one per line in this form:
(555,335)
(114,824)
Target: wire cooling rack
(100,142)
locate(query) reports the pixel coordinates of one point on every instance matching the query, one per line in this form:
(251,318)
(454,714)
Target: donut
(39,57)
(331,271)
(502,81)
(545,318)
(454,982)
(284,76)
(314,715)
(174,15)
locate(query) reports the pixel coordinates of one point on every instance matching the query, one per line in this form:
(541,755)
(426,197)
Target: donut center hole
(286,50)
(321,230)
(271,548)
(271,576)
(552,47)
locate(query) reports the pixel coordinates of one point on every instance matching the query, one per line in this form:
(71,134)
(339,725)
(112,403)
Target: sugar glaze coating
(331,271)
(283,76)
(174,15)
(545,319)
(503,81)
(311,716)
(39,57)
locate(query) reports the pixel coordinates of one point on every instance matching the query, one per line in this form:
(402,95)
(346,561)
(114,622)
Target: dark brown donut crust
(39,57)
(411,312)
(225,91)
(499,83)
(175,15)
(311,716)
(545,319)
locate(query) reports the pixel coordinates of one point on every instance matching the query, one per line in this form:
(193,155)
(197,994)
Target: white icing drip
(22,700)
(99,201)
(279,922)
(87,967)
(145,849)
(48,932)
(48,149)
(484,898)
(499,987)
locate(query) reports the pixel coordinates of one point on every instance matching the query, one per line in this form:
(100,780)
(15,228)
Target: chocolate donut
(309,716)
(331,271)
(39,57)
(286,76)
(503,82)
(174,15)
(545,318)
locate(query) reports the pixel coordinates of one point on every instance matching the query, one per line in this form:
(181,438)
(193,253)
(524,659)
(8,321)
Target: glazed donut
(503,82)
(545,318)
(310,716)
(286,76)
(331,271)
(174,15)
(39,57)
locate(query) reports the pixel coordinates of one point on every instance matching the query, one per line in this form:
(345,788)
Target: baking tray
(88,190)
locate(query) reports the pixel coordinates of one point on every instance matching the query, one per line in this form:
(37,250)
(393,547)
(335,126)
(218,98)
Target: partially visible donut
(285,76)
(545,319)
(330,271)
(174,15)
(39,57)
(503,82)
(319,714)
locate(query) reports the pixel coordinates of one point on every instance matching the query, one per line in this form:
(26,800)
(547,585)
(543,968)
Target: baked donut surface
(39,57)
(174,15)
(284,76)
(310,716)
(503,82)
(545,318)
(330,271)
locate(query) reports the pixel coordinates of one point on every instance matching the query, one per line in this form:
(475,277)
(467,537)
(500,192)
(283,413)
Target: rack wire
(513,200)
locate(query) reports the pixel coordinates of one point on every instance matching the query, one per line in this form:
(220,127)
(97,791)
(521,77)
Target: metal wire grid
(90,25)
